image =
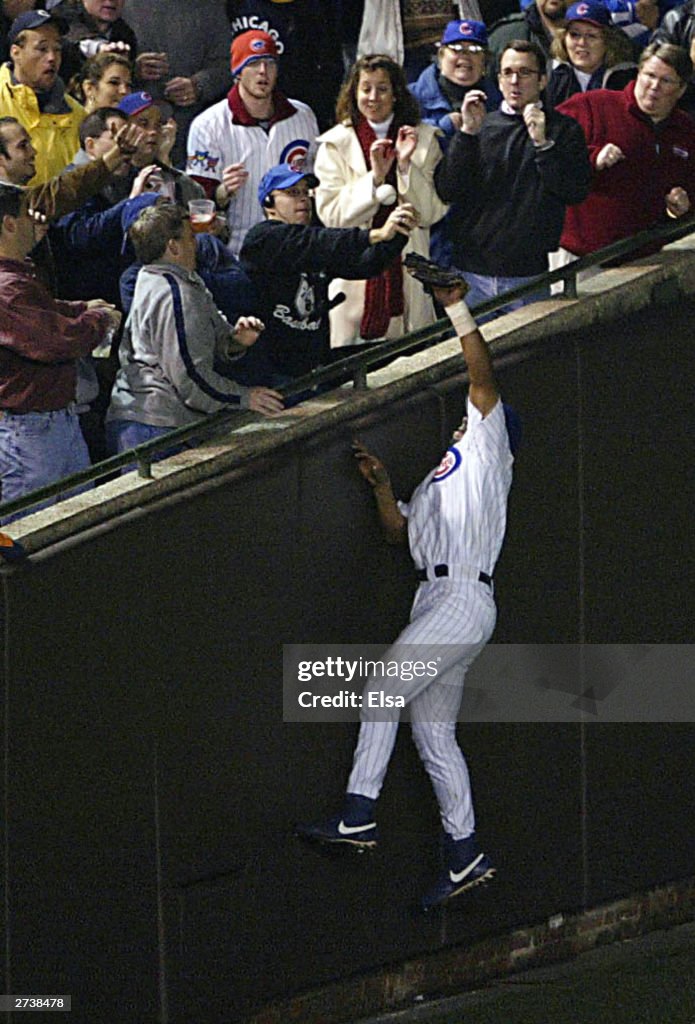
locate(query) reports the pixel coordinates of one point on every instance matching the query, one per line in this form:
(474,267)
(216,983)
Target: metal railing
(353,368)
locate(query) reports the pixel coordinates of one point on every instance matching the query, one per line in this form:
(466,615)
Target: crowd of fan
(500,149)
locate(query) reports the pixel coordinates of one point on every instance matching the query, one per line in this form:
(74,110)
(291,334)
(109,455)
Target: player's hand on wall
(371,468)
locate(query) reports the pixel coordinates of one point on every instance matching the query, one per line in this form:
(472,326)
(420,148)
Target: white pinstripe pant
(451,621)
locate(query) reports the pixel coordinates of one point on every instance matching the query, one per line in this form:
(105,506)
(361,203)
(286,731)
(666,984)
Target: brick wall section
(455,969)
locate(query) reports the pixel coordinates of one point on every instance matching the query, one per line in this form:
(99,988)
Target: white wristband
(461,318)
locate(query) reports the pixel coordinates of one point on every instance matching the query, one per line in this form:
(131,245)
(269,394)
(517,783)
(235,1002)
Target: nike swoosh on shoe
(351,830)
(458,876)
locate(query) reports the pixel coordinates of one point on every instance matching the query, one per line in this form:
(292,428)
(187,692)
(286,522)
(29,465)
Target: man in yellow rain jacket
(32,91)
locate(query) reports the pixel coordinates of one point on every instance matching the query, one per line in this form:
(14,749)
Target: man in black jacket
(291,264)
(509,175)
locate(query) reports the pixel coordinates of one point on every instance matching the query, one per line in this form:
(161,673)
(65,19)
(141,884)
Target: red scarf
(282,108)
(383,296)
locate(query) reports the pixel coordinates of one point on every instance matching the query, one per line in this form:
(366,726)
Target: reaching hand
(247,330)
(128,138)
(141,182)
(40,222)
(265,401)
(534,119)
(117,47)
(678,202)
(233,177)
(473,111)
(151,66)
(608,156)
(381,155)
(406,141)
(167,138)
(103,306)
(400,221)
(448,296)
(183,92)
(371,468)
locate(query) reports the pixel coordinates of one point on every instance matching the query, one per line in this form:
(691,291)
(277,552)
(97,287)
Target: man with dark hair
(87,242)
(509,175)
(233,144)
(32,91)
(149,115)
(42,337)
(454,525)
(173,338)
(66,191)
(642,150)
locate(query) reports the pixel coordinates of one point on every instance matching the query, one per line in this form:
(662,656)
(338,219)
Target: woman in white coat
(378,152)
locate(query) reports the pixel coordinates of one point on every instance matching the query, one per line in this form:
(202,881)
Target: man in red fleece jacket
(642,150)
(40,340)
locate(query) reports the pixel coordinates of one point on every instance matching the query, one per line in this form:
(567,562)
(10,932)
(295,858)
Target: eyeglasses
(465,47)
(587,37)
(522,73)
(666,80)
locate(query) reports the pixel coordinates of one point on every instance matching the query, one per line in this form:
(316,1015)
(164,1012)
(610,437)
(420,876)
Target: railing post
(569,290)
(145,467)
(359,379)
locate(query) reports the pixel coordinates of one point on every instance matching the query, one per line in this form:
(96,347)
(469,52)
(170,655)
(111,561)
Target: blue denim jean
(38,448)
(484,287)
(122,435)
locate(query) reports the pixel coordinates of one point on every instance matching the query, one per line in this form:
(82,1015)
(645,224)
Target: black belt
(443,570)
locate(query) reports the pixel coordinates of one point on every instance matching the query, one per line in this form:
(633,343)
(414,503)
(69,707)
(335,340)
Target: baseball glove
(431,275)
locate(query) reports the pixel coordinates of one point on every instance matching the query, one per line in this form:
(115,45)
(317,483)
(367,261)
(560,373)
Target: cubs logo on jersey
(202,160)
(449,464)
(295,154)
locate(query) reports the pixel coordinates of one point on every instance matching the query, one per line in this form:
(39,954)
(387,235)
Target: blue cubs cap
(466,31)
(280,177)
(135,103)
(590,11)
(513,421)
(33,20)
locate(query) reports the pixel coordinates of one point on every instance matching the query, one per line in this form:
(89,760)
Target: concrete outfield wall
(151,783)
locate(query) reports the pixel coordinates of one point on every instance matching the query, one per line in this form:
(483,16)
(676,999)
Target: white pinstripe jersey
(458,514)
(215,141)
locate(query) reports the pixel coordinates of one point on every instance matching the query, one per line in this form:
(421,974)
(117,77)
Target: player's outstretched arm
(393,522)
(482,390)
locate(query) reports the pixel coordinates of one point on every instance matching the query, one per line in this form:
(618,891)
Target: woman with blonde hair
(378,153)
(591,54)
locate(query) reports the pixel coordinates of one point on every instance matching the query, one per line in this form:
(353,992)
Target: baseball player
(455,524)
(234,142)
